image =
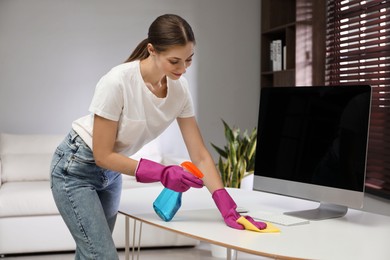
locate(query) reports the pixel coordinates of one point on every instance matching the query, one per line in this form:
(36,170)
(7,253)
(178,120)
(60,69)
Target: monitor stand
(324,211)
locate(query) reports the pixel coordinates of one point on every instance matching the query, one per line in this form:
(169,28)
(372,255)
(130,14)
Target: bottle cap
(189,166)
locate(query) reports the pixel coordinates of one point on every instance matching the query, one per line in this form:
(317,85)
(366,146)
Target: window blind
(358,52)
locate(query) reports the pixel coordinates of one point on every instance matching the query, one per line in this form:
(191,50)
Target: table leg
(230,253)
(127,240)
(139,239)
(134,231)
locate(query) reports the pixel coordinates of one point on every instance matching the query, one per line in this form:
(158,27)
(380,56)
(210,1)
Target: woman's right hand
(173,177)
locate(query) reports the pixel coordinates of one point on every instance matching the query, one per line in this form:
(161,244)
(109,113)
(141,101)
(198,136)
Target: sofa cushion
(28,198)
(26,144)
(26,167)
(129,182)
(26,157)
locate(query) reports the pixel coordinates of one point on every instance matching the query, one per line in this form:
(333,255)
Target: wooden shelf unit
(291,21)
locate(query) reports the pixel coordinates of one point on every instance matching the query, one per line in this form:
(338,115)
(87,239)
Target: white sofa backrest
(151,151)
(26,157)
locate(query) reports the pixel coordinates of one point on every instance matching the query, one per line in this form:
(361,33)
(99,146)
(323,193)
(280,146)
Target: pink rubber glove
(173,177)
(227,207)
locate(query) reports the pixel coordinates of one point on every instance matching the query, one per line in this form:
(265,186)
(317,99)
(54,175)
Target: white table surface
(358,235)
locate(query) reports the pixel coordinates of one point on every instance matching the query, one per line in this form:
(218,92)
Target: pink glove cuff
(223,201)
(227,207)
(148,171)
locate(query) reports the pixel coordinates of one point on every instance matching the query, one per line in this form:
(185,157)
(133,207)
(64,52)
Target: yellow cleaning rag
(249,226)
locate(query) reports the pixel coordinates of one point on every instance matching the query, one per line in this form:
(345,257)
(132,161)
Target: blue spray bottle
(168,201)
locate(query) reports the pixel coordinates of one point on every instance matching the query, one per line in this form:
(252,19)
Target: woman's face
(174,61)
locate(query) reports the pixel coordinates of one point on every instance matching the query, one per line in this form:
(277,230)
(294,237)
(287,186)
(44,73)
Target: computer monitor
(312,144)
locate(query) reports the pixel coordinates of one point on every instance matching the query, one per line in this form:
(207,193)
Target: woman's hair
(166,31)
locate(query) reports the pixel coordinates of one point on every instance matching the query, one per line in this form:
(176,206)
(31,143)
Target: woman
(133,103)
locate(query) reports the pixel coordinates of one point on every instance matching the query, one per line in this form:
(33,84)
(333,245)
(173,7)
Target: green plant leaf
(228,133)
(237,159)
(221,152)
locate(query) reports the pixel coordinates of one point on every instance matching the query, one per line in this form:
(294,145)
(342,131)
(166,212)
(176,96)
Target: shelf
(265,73)
(278,23)
(300,25)
(278,78)
(277,13)
(280,28)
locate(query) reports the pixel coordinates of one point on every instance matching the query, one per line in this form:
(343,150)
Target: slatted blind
(358,52)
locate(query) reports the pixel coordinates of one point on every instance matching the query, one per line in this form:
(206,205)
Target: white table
(358,235)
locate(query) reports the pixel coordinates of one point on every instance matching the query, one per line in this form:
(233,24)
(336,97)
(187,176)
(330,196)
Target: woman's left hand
(227,207)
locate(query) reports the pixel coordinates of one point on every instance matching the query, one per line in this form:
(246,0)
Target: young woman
(133,104)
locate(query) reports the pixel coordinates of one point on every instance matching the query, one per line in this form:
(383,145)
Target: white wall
(229,71)
(53,52)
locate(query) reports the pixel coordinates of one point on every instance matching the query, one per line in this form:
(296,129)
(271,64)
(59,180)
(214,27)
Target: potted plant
(237,157)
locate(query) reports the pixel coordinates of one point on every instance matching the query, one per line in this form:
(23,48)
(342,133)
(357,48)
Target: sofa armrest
(0,171)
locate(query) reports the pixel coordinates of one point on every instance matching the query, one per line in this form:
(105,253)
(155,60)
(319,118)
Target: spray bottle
(168,202)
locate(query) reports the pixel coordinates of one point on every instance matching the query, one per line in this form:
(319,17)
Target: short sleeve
(108,99)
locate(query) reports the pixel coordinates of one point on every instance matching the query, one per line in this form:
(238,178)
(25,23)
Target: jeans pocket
(57,156)
(81,164)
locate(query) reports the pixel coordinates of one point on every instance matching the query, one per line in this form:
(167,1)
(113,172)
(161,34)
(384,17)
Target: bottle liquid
(168,202)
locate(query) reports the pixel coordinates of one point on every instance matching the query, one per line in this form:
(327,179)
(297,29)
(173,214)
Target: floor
(200,252)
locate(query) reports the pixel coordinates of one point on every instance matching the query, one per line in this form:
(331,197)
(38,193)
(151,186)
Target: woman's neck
(153,78)
(150,73)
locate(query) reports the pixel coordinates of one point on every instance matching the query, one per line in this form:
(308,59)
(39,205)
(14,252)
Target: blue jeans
(87,198)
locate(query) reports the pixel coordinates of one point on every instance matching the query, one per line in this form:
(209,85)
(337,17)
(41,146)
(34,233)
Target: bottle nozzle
(189,166)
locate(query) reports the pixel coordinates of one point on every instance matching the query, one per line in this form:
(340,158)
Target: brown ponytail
(140,52)
(166,31)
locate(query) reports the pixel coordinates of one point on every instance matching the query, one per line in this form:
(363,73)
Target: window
(358,52)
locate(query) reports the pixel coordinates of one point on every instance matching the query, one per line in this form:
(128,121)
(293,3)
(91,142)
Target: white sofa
(29,220)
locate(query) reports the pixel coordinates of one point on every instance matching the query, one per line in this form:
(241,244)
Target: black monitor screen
(316,135)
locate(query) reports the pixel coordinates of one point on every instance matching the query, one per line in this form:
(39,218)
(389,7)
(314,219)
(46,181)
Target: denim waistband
(74,138)
(73,135)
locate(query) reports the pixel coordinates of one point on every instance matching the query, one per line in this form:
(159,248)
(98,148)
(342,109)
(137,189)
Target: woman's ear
(151,49)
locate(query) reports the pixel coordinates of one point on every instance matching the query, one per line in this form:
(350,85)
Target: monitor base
(324,211)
